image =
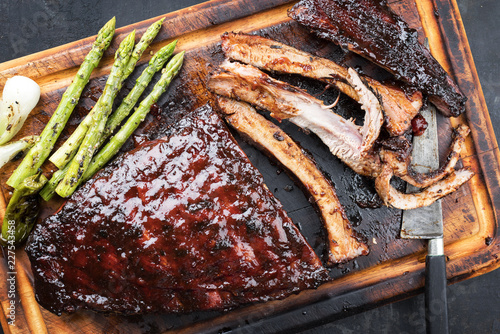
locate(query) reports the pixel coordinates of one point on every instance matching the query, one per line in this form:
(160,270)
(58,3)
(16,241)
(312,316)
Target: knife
(427,223)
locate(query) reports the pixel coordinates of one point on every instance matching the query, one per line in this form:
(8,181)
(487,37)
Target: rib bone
(344,245)
(399,159)
(394,198)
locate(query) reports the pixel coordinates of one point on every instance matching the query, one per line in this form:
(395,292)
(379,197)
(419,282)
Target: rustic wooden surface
(395,266)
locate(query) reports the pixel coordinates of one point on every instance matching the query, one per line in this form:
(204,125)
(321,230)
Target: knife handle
(436,305)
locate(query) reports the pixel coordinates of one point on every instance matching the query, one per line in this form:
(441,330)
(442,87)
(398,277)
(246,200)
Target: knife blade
(427,223)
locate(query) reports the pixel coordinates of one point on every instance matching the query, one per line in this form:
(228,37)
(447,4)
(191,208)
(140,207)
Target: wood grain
(393,270)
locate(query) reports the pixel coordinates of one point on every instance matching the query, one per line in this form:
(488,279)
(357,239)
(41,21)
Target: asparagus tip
(179,56)
(126,45)
(112,21)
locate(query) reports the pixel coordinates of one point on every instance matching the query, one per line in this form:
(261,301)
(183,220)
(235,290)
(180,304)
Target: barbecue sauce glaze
(178,224)
(371,29)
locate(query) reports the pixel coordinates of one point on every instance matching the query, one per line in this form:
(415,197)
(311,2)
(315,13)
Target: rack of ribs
(178,224)
(371,29)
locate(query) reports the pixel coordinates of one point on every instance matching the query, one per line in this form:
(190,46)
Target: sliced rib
(270,55)
(344,244)
(351,143)
(394,198)
(396,152)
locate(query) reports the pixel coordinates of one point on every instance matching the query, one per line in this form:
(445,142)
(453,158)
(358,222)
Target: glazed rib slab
(179,224)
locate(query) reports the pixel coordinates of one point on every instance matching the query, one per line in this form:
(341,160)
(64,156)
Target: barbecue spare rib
(371,29)
(179,224)
(399,107)
(353,144)
(343,242)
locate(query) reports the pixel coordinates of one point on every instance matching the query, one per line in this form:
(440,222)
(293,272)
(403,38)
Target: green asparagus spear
(155,64)
(22,211)
(49,189)
(41,150)
(83,157)
(139,49)
(68,150)
(117,141)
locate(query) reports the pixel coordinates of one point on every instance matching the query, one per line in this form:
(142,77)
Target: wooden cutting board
(393,270)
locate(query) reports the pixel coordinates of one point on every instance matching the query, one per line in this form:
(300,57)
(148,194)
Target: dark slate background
(28,26)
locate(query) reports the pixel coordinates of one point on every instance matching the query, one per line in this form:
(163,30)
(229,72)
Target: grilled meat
(351,143)
(179,224)
(371,29)
(392,197)
(354,145)
(396,152)
(344,244)
(399,109)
